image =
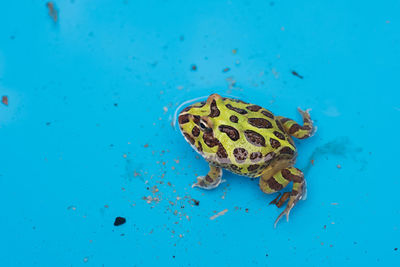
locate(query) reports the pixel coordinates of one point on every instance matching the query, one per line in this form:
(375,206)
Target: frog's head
(198,118)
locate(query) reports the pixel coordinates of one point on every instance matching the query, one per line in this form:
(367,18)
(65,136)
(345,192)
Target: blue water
(87,134)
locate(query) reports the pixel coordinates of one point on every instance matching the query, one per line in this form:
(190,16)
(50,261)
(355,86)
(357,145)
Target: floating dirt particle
(334,203)
(146,145)
(106,206)
(312,162)
(296,74)
(193,67)
(71,208)
(119,221)
(338,166)
(124,155)
(195,202)
(219,214)
(52,11)
(247,210)
(4,100)
(234,51)
(226,69)
(275,73)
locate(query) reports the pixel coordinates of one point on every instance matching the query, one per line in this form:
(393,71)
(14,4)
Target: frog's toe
(304,112)
(200,182)
(280,199)
(205,183)
(285,212)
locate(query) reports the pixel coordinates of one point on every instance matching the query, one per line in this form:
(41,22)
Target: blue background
(87,133)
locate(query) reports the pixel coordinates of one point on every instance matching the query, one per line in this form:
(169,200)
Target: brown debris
(52,11)
(219,214)
(4,100)
(195,202)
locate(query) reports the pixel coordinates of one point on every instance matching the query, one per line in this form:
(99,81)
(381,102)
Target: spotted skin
(248,140)
(295,129)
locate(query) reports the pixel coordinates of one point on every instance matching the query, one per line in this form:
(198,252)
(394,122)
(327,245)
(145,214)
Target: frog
(248,140)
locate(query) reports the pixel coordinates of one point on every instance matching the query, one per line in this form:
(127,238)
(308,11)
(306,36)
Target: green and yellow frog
(248,140)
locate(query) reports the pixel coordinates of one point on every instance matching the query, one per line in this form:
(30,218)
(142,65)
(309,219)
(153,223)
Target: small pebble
(119,221)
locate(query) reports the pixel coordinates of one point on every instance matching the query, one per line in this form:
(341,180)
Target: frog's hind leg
(295,129)
(211,180)
(278,181)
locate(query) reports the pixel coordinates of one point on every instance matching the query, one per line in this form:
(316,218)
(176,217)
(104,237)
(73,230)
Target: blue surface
(87,132)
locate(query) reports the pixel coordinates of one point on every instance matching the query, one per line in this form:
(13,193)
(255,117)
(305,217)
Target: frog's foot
(211,180)
(297,193)
(280,199)
(203,182)
(295,129)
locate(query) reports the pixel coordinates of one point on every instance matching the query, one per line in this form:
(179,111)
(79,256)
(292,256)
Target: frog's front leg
(275,183)
(211,180)
(295,129)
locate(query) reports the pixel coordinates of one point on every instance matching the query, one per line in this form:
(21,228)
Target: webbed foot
(203,183)
(211,180)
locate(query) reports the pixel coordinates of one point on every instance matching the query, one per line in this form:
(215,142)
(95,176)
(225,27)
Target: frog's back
(241,137)
(252,136)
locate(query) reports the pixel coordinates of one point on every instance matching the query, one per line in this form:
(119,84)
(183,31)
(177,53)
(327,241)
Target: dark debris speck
(119,221)
(196,202)
(296,74)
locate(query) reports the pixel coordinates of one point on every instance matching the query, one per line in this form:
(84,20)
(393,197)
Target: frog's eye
(204,126)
